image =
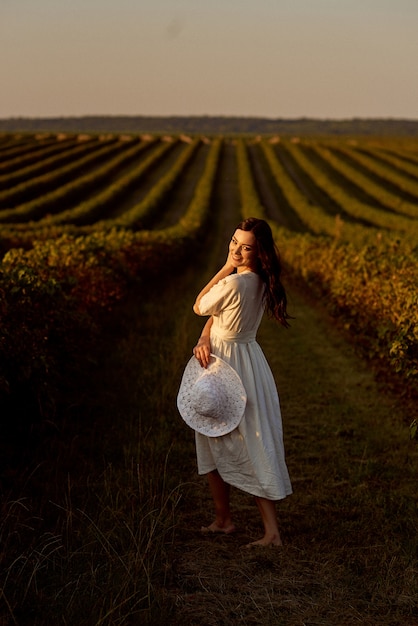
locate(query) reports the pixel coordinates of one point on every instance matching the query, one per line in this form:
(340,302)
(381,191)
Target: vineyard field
(357,183)
(82,216)
(104,242)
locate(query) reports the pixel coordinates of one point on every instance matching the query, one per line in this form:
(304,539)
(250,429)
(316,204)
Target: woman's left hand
(202,351)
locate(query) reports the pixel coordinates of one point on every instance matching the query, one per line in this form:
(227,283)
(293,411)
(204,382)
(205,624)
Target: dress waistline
(236,337)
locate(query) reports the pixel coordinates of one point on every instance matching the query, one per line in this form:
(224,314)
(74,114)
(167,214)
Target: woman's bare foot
(227,529)
(266,541)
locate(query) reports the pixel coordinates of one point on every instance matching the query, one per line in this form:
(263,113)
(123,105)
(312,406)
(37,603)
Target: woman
(251,457)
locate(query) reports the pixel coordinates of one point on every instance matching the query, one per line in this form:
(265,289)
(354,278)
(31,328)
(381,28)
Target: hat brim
(233,391)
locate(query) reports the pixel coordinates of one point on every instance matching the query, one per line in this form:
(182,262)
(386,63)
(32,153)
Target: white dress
(252,456)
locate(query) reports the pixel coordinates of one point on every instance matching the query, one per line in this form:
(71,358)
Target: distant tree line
(212,125)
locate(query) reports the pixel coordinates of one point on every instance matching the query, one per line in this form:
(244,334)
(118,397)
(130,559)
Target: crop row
(38,185)
(406,166)
(34,157)
(52,158)
(374,289)
(383,171)
(74,190)
(350,205)
(364,179)
(26,147)
(95,208)
(358,183)
(139,215)
(312,215)
(401,158)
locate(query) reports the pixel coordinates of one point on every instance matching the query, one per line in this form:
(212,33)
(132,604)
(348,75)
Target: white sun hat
(211,400)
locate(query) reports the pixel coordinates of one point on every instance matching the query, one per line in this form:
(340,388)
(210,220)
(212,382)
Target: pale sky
(265,58)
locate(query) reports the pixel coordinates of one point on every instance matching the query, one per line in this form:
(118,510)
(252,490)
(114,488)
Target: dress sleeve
(222,295)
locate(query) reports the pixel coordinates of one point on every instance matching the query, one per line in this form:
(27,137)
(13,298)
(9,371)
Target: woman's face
(243,251)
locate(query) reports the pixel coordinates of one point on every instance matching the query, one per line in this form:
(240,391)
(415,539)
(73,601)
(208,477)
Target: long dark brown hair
(269,268)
